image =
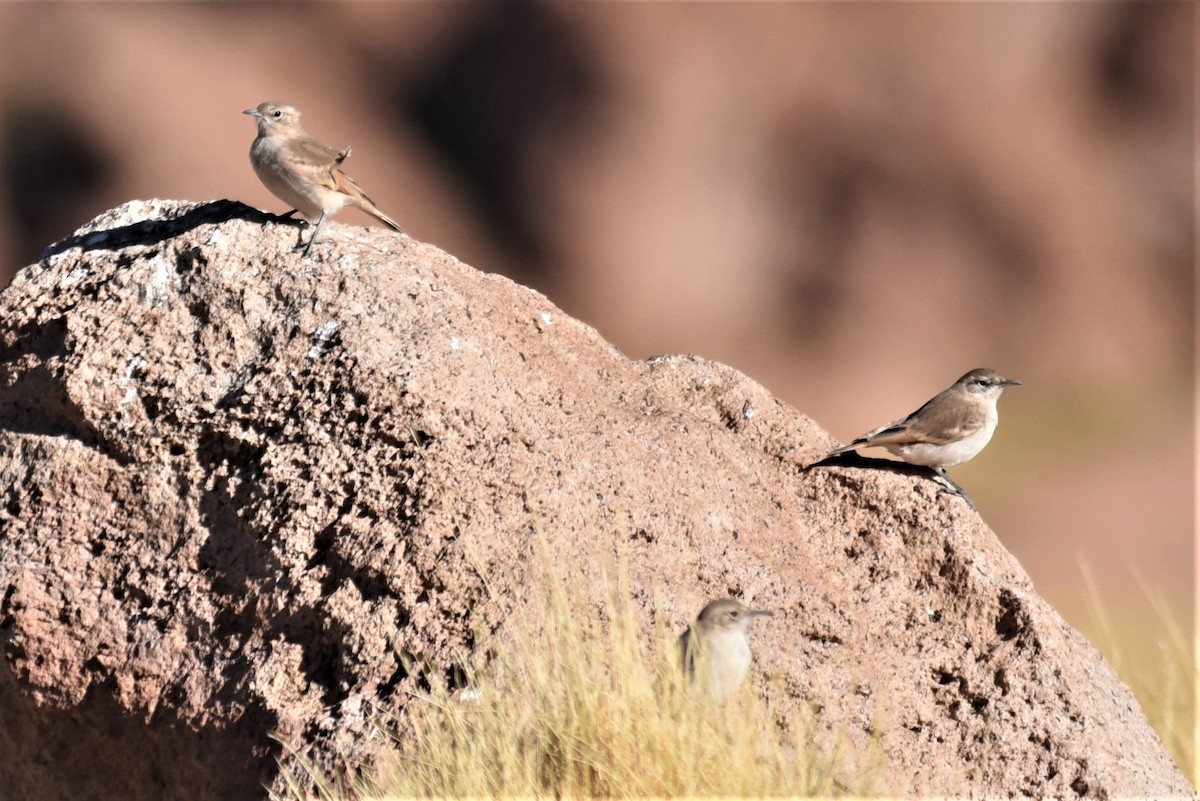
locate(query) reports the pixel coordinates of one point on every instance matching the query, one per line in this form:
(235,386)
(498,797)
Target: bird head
(985,382)
(726,614)
(274,116)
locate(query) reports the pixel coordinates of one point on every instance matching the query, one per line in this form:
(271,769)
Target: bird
(715,652)
(951,428)
(301,171)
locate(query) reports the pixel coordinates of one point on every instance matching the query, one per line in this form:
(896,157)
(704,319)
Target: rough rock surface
(240,492)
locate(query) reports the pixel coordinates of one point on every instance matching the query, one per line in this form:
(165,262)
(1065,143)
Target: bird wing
(939,422)
(309,152)
(307,156)
(896,433)
(345,184)
(687,651)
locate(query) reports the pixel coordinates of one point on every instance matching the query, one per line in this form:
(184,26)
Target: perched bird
(715,652)
(301,171)
(949,429)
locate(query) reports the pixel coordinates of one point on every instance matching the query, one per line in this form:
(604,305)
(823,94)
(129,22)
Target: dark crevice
(38,404)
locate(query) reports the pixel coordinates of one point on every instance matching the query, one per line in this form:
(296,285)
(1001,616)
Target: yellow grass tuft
(578,699)
(1153,655)
(586,704)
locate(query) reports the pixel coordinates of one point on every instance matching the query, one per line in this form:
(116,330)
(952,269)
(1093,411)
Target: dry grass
(580,708)
(587,703)
(1153,654)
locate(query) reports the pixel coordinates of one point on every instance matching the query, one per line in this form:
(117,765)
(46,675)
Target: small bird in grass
(715,651)
(949,429)
(301,171)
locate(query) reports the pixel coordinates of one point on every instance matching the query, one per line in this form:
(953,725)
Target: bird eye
(277,114)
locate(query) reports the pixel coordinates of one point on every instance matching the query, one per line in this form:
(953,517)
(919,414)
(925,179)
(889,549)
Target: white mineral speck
(134,364)
(75,276)
(322,336)
(160,281)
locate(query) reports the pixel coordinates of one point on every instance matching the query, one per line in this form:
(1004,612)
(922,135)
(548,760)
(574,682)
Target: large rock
(242,493)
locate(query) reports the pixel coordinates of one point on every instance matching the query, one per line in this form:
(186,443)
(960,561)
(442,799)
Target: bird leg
(949,485)
(313,238)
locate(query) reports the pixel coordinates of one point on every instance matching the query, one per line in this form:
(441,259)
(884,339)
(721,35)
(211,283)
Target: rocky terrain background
(851,203)
(244,494)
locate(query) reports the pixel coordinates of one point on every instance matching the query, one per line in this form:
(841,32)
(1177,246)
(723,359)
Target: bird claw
(303,247)
(951,487)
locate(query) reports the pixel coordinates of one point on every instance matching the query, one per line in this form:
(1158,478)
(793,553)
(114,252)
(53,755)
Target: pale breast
(298,188)
(728,663)
(930,455)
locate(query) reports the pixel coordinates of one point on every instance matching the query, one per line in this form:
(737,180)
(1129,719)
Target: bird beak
(1008,382)
(760,613)
(253,112)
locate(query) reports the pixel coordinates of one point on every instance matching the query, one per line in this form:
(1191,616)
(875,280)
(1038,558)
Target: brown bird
(715,652)
(301,171)
(949,429)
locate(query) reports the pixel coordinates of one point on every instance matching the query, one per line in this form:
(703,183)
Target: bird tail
(835,452)
(364,203)
(383,218)
(345,184)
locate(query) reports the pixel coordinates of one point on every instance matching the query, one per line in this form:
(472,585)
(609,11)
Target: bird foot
(951,487)
(290,217)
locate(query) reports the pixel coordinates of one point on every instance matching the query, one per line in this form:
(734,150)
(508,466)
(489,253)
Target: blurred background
(852,203)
